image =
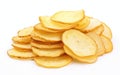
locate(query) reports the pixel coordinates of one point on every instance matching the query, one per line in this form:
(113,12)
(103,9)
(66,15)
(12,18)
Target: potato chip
(107,43)
(98,30)
(88,59)
(48,52)
(25,32)
(19,54)
(53,62)
(98,40)
(69,17)
(79,43)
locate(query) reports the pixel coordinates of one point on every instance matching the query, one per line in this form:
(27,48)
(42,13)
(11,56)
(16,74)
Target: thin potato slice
(79,43)
(83,23)
(48,23)
(69,17)
(21,46)
(48,52)
(25,32)
(98,40)
(107,31)
(93,24)
(24,40)
(98,30)
(107,43)
(21,49)
(40,27)
(88,59)
(19,54)
(53,62)
(55,37)
(43,45)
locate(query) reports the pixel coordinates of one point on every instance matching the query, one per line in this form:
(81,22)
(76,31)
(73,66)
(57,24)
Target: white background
(17,14)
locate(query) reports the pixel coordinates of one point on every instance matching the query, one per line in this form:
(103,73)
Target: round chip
(48,23)
(43,45)
(79,43)
(19,54)
(107,43)
(69,17)
(24,40)
(48,52)
(88,59)
(25,32)
(107,31)
(21,46)
(92,25)
(53,62)
(98,30)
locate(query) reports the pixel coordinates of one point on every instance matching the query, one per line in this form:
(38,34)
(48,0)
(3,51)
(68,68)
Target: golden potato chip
(55,37)
(88,59)
(48,23)
(21,49)
(48,52)
(24,40)
(83,23)
(53,62)
(43,45)
(107,31)
(98,30)
(21,46)
(79,43)
(25,32)
(19,54)
(107,43)
(98,40)
(69,17)
(40,27)
(92,25)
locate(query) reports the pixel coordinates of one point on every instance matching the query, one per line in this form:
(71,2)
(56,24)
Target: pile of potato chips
(62,37)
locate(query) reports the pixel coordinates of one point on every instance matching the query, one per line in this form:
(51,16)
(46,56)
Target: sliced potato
(25,32)
(43,45)
(21,46)
(98,40)
(69,17)
(48,23)
(98,30)
(107,43)
(107,31)
(53,62)
(55,37)
(48,52)
(83,23)
(19,54)
(88,59)
(80,44)
(24,40)
(92,25)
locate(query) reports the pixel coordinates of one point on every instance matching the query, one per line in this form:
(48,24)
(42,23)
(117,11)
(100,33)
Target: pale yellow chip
(107,43)
(19,54)
(98,40)
(43,45)
(83,23)
(48,23)
(92,25)
(21,46)
(25,32)
(107,31)
(88,59)
(48,52)
(53,62)
(55,37)
(98,30)
(40,27)
(69,17)
(24,40)
(79,43)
